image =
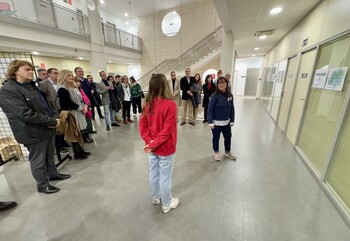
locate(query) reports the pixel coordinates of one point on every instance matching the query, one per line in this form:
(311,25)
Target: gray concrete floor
(267,194)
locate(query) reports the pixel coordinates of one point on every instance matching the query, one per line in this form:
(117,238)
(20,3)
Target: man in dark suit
(185,83)
(49,88)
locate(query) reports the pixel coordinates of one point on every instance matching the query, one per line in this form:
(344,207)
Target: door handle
(301,98)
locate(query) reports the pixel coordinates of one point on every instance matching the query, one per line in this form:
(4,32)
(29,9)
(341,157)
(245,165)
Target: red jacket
(160,126)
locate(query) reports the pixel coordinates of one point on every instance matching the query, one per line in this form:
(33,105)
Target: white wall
(132,27)
(241,68)
(134,70)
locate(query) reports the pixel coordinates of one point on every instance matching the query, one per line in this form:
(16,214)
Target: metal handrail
(115,38)
(195,52)
(81,30)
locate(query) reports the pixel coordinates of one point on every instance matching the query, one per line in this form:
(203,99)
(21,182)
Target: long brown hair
(14,66)
(158,88)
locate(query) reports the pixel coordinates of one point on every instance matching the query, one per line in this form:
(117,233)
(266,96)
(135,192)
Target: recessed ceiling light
(35,53)
(262,37)
(174,12)
(102,1)
(276,10)
(80,58)
(253,55)
(109,61)
(256,49)
(126,14)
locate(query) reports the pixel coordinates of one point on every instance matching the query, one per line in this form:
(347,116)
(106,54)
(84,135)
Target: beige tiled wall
(198,20)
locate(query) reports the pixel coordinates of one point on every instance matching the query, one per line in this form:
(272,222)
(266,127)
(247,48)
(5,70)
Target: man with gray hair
(42,75)
(185,83)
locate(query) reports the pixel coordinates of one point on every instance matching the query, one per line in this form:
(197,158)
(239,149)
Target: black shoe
(80,157)
(88,141)
(205,121)
(86,153)
(108,128)
(115,124)
(60,177)
(102,117)
(7,205)
(182,123)
(64,151)
(192,123)
(48,189)
(92,132)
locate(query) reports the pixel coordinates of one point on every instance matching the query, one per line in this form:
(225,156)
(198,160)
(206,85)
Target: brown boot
(131,121)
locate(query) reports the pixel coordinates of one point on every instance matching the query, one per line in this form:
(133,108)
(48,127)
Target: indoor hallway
(266,195)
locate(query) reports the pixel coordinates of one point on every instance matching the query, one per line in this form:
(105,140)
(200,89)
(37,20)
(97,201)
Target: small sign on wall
(304,75)
(304,42)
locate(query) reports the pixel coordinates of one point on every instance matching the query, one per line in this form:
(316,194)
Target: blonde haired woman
(158,130)
(71,100)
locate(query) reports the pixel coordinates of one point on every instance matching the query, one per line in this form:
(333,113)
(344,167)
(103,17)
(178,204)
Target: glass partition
(48,14)
(325,102)
(339,173)
(117,37)
(276,96)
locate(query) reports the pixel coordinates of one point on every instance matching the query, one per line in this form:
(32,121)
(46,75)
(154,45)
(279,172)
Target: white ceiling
(141,7)
(241,17)
(245,17)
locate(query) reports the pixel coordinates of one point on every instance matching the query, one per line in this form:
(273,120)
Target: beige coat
(176,91)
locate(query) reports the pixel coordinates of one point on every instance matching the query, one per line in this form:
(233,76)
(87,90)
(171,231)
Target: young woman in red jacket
(158,130)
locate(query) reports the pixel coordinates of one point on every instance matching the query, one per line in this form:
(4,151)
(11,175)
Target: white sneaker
(229,155)
(173,204)
(156,201)
(217,156)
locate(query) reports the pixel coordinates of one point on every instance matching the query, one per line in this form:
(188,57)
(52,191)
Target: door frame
(292,92)
(294,89)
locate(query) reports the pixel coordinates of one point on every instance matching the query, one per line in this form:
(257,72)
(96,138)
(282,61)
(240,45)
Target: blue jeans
(226,131)
(160,171)
(109,114)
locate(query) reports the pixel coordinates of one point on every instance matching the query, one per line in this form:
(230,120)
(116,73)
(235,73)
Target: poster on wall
(68,1)
(335,79)
(320,78)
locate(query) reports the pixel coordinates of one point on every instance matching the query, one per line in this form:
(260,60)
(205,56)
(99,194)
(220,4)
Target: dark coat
(185,86)
(85,85)
(207,93)
(28,115)
(96,96)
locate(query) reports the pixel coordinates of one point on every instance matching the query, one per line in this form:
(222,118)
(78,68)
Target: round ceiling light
(171,24)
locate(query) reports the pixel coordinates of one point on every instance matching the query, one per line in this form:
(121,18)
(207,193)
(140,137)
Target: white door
(300,94)
(287,93)
(251,81)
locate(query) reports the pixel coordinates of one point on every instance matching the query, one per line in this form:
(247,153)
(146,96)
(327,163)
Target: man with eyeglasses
(49,88)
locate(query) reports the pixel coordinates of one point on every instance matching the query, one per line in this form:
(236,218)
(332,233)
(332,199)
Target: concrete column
(98,60)
(228,55)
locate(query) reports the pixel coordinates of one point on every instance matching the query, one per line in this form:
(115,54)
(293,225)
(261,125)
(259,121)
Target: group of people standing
(67,100)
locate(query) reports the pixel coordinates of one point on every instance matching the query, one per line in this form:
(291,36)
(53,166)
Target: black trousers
(98,110)
(136,105)
(226,131)
(205,112)
(41,159)
(126,109)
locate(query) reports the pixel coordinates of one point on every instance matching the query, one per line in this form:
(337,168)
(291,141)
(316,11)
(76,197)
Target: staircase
(208,46)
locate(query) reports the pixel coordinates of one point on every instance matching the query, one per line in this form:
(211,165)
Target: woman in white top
(125,96)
